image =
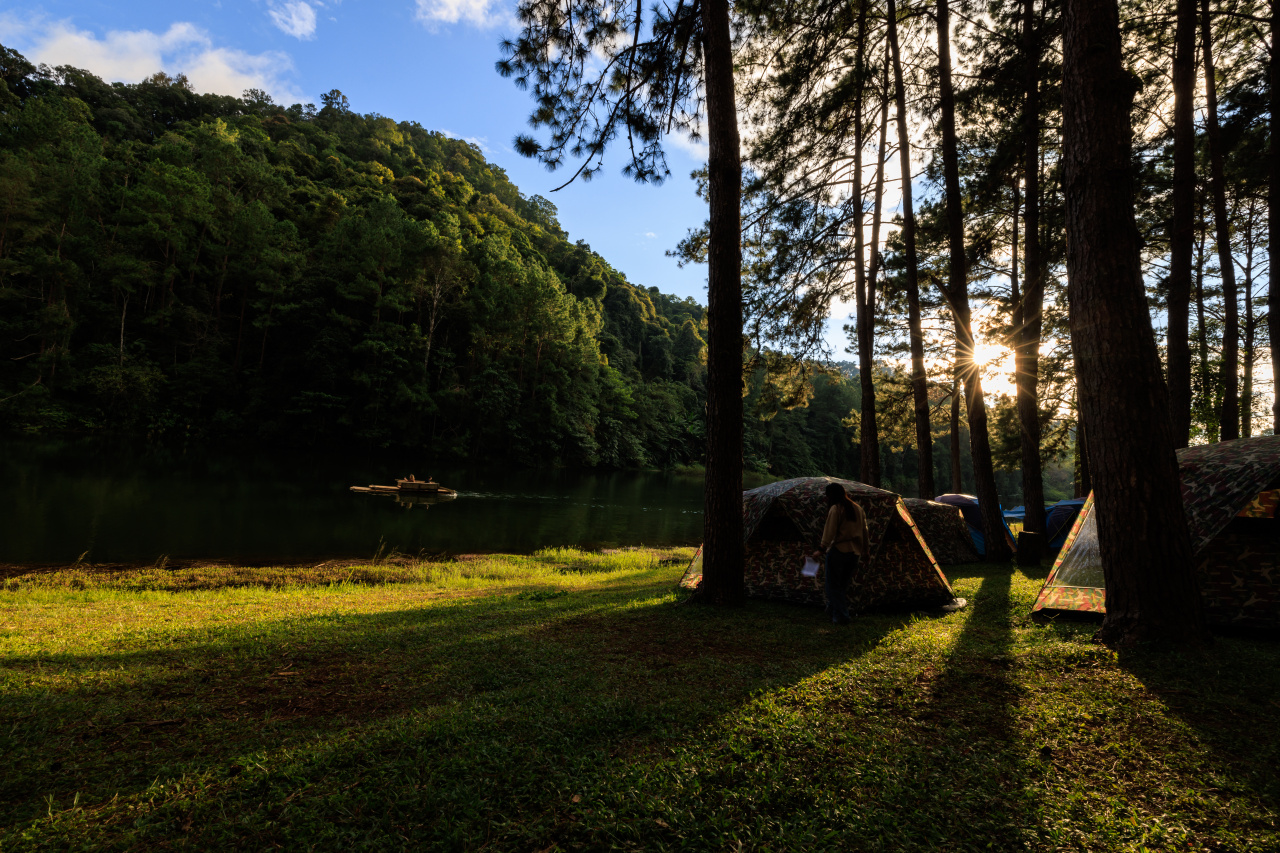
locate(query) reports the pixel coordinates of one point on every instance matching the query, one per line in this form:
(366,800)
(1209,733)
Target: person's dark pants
(840,569)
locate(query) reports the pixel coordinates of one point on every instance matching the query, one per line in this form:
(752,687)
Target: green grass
(571,701)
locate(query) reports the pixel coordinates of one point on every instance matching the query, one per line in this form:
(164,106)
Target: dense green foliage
(215,271)
(223,269)
(209,269)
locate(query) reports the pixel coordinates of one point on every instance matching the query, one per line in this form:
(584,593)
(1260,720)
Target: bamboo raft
(410,486)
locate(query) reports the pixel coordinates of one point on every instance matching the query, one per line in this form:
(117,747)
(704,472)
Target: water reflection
(409,500)
(58,500)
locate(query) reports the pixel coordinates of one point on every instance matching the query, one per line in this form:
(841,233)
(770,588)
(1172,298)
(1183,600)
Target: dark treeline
(210,270)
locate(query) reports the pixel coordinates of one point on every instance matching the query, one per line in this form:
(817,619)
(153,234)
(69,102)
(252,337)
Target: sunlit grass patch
(570,700)
(464,571)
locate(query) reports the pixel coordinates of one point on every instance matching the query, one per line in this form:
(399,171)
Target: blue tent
(1058,523)
(1018,515)
(968,506)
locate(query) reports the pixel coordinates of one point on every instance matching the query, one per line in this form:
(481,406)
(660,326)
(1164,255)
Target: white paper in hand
(810,569)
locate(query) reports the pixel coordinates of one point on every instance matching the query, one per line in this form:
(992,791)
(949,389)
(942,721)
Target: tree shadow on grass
(449,725)
(1157,750)
(956,779)
(914,750)
(965,732)
(1228,697)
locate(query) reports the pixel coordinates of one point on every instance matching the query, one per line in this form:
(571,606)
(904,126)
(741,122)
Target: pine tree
(661,76)
(1142,530)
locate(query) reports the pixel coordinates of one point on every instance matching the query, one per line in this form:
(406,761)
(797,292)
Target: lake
(61,499)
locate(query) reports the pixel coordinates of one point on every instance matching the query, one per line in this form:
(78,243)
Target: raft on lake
(409,487)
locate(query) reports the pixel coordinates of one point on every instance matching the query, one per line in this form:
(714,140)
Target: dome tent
(782,522)
(972,512)
(1059,520)
(944,531)
(1230,491)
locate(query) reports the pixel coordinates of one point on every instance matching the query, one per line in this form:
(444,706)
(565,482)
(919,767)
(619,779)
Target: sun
(997,362)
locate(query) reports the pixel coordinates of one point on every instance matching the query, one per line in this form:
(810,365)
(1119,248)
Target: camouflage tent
(944,530)
(1230,491)
(782,522)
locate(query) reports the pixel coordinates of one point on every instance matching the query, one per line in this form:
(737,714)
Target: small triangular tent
(1230,491)
(968,506)
(944,531)
(782,522)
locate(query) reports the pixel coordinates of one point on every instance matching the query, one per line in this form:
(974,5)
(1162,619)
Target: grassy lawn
(570,701)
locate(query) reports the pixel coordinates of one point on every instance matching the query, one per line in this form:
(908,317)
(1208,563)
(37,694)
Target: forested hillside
(214,270)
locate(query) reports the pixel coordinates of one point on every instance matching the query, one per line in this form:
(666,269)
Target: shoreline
(190,574)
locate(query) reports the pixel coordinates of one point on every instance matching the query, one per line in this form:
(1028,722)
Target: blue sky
(430,61)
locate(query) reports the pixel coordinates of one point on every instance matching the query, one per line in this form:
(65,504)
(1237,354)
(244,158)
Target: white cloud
(480,13)
(13,29)
(481,142)
(698,149)
(650,234)
(295,18)
(131,55)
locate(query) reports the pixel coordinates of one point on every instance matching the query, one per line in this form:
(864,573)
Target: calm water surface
(59,500)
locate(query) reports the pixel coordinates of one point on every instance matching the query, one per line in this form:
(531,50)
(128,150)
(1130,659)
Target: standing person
(844,538)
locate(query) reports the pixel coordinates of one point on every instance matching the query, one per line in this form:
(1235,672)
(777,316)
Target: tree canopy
(217,271)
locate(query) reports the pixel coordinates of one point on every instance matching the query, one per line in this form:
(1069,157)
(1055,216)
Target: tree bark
(1250,336)
(1249,349)
(1229,419)
(1273,222)
(1209,399)
(1182,226)
(722,554)
(1084,483)
(919,386)
(869,433)
(1142,530)
(1027,358)
(868,445)
(877,208)
(957,472)
(957,294)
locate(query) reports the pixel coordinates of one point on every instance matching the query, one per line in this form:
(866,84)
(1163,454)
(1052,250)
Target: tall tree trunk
(869,439)
(1229,421)
(1273,222)
(868,467)
(722,579)
(1250,325)
(957,293)
(1209,400)
(919,386)
(957,472)
(1182,226)
(1250,332)
(1015,296)
(1027,358)
(878,205)
(123,310)
(1084,483)
(1142,530)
